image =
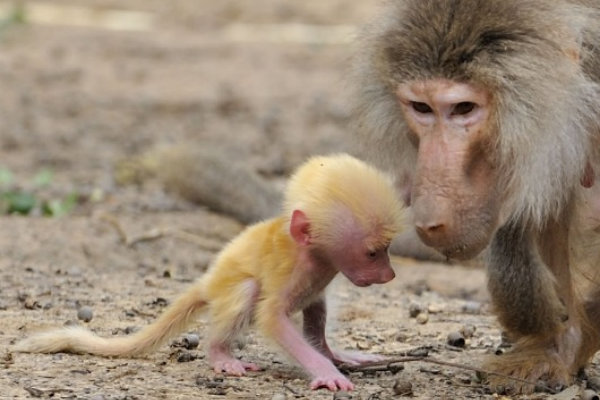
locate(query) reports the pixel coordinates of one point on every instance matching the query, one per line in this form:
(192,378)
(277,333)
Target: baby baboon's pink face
(361,263)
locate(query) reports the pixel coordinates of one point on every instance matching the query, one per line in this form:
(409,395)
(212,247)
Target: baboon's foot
(222,361)
(522,371)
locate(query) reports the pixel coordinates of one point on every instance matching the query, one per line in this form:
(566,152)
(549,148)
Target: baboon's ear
(300,228)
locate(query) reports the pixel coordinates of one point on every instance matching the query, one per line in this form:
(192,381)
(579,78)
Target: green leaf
(6,177)
(20,202)
(60,207)
(43,178)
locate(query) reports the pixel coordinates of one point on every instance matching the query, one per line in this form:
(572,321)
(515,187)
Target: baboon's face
(454,198)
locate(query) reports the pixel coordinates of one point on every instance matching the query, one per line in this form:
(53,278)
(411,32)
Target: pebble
(414,309)
(191,341)
(279,396)
(85,314)
(130,329)
(149,283)
(31,304)
(403,387)
(472,307)
(185,357)
(423,317)
(363,345)
(435,309)
(468,331)
(456,339)
(464,379)
(401,337)
(342,395)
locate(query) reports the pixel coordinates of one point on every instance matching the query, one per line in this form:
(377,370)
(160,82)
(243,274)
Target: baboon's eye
(422,108)
(463,108)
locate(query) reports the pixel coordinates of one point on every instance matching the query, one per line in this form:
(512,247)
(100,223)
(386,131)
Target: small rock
(414,309)
(464,379)
(218,392)
(98,397)
(130,329)
(85,314)
(279,396)
(422,351)
(158,302)
(456,339)
(34,392)
(430,370)
(127,331)
(342,395)
(214,383)
(363,345)
(403,387)
(191,341)
(394,368)
(435,309)
(472,307)
(185,357)
(468,331)
(74,271)
(423,317)
(149,283)
(401,337)
(31,304)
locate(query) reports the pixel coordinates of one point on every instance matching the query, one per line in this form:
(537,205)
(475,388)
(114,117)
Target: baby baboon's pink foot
(233,367)
(222,361)
(333,382)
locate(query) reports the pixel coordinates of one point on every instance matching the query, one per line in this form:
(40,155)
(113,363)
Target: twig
(385,366)
(150,235)
(128,372)
(158,233)
(291,389)
(205,243)
(486,372)
(112,220)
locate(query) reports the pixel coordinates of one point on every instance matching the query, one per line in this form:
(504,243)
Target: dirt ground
(84,85)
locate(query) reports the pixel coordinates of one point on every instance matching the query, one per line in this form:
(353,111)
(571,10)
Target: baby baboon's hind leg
(230,314)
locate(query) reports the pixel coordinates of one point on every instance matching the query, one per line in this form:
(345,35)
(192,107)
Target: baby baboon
(339,215)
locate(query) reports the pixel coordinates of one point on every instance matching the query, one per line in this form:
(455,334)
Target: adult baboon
(491,109)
